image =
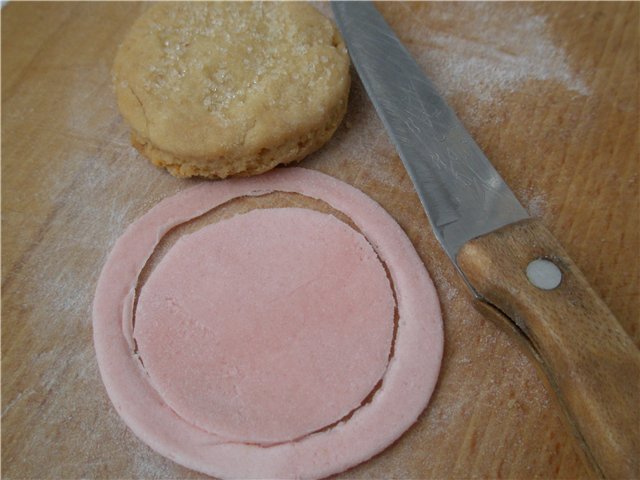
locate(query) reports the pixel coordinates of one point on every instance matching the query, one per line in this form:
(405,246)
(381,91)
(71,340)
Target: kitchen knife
(510,262)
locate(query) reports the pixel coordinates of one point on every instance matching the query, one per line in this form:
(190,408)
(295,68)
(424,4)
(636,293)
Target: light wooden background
(550,92)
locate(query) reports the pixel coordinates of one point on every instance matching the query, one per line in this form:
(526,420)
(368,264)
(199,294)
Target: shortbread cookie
(231,88)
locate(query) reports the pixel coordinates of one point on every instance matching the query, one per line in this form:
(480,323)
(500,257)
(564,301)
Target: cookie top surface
(202,79)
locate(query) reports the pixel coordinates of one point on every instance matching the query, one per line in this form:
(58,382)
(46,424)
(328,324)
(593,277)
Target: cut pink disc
(267,326)
(245,375)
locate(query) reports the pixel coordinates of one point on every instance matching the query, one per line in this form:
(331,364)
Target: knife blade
(511,263)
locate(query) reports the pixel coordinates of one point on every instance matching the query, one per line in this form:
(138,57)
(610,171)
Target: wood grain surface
(549,91)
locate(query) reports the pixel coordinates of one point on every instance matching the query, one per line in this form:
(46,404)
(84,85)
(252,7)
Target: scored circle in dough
(267,326)
(216,89)
(406,386)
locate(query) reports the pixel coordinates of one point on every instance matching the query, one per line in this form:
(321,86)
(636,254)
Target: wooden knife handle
(590,361)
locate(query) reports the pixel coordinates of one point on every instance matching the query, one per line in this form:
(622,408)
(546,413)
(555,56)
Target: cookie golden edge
(243,164)
(281,150)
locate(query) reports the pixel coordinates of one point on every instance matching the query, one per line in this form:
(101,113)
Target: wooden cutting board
(550,92)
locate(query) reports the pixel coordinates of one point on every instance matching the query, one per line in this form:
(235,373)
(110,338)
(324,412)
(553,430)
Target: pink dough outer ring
(407,383)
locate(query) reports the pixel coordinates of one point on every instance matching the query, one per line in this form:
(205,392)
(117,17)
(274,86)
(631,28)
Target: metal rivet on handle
(544,274)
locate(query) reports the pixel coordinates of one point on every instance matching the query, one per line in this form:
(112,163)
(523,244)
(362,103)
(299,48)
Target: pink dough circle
(407,382)
(245,326)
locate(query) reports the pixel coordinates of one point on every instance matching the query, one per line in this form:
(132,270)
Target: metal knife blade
(463,195)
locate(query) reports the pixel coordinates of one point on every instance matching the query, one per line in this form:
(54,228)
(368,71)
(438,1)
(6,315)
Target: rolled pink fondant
(267,326)
(407,383)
